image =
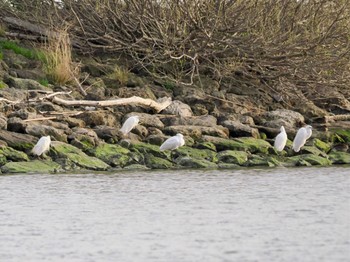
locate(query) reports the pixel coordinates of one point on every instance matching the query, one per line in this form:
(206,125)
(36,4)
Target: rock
(43,130)
(106,132)
(178,108)
(339,157)
(233,157)
(12,154)
(13,94)
(323,146)
(255,145)
(340,147)
(155,139)
(189,162)
(227,166)
(197,131)
(76,156)
(205,145)
(312,150)
(316,160)
(145,149)
(114,155)
(196,153)
(222,144)
(3,121)
(101,117)
(34,74)
(35,166)
(21,113)
(18,141)
(206,120)
(154,162)
(73,122)
(141,131)
(47,106)
(281,117)
(25,84)
(146,120)
(258,160)
(237,129)
(344,134)
(84,139)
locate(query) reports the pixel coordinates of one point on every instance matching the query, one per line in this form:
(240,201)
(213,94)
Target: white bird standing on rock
(302,135)
(173,142)
(42,146)
(129,124)
(281,139)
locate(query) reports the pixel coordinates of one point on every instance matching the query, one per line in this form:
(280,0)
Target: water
(297,214)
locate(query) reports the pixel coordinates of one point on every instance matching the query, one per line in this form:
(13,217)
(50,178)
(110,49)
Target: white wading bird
(173,142)
(42,146)
(281,140)
(302,135)
(129,124)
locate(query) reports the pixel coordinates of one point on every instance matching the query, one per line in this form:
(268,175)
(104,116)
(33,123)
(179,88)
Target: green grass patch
(44,82)
(26,52)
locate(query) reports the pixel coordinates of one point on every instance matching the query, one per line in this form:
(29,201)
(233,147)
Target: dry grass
(58,62)
(121,75)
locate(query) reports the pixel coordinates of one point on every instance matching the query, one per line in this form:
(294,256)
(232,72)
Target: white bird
(302,135)
(281,139)
(173,142)
(129,124)
(42,146)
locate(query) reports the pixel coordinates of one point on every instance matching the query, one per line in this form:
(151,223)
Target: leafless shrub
(252,43)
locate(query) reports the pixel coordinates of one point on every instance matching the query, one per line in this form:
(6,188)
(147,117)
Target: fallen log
(134,100)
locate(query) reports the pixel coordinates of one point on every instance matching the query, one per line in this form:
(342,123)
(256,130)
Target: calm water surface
(297,214)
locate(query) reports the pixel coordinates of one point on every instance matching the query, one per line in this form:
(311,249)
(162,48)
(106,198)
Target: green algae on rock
(339,157)
(114,155)
(255,145)
(233,157)
(325,147)
(258,160)
(154,162)
(12,154)
(35,166)
(309,160)
(145,148)
(78,157)
(196,153)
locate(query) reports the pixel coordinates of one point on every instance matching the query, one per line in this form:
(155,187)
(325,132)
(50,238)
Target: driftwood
(9,101)
(337,118)
(134,100)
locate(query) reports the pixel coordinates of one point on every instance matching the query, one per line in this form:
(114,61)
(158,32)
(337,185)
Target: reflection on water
(299,214)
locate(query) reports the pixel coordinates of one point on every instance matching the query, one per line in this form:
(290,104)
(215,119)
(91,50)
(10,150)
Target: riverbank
(222,128)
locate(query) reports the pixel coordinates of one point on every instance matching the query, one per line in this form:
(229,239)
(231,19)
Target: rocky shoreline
(221,129)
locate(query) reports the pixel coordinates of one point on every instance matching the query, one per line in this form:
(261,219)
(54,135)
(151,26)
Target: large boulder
(22,142)
(237,129)
(281,117)
(146,120)
(114,155)
(233,157)
(178,108)
(25,84)
(190,162)
(12,154)
(3,121)
(43,130)
(101,117)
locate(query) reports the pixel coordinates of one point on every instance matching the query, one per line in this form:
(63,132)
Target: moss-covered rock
(205,145)
(317,160)
(255,145)
(339,157)
(222,144)
(76,156)
(35,166)
(323,146)
(258,160)
(154,162)
(195,163)
(12,154)
(206,154)
(145,148)
(312,150)
(233,157)
(344,134)
(114,155)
